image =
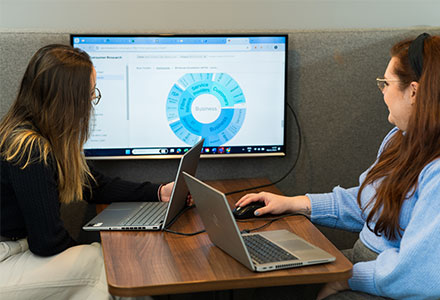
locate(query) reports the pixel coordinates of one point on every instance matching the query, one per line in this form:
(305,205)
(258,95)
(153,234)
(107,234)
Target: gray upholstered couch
(331,86)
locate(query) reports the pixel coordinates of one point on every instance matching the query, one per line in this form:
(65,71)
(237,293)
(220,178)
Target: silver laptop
(149,215)
(263,251)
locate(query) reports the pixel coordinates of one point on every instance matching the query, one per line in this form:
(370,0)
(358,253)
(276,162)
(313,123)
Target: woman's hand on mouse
(276,204)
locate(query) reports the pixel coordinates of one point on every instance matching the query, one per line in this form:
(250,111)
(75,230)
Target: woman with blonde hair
(396,206)
(43,165)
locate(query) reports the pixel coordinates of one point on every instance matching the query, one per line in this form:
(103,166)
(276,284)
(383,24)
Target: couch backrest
(331,86)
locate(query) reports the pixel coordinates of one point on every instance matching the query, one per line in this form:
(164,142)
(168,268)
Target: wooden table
(157,263)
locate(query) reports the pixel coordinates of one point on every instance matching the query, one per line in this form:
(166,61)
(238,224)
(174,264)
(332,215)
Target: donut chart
(208,105)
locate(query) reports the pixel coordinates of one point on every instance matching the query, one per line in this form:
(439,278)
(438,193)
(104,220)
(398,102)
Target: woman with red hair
(396,207)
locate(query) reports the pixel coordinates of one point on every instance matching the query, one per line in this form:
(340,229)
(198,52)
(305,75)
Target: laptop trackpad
(295,245)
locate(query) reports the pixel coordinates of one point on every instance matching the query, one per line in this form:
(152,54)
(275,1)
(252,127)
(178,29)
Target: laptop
(149,215)
(262,251)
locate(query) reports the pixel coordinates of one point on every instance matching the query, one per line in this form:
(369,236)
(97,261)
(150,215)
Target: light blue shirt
(406,268)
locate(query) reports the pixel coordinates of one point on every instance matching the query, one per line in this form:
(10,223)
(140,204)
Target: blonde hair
(49,120)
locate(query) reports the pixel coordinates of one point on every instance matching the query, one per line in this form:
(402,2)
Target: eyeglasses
(382,83)
(96,96)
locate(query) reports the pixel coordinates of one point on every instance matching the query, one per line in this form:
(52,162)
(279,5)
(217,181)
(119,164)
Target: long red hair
(406,154)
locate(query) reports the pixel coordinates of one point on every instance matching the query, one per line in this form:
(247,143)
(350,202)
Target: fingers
(271,207)
(165,191)
(262,211)
(189,200)
(249,198)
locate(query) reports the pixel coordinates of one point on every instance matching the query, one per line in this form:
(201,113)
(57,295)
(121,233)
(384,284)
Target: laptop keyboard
(150,213)
(264,251)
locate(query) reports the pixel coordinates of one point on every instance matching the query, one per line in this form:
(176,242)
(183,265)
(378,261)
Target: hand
(165,191)
(276,204)
(165,194)
(332,288)
(189,200)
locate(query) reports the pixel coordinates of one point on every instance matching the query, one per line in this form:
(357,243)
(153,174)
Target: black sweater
(30,207)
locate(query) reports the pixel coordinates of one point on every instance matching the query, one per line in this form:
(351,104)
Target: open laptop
(149,215)
(287,250)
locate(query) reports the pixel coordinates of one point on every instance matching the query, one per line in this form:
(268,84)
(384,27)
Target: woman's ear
(413,86)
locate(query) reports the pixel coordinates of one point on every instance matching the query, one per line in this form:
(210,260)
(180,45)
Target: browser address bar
(135,48)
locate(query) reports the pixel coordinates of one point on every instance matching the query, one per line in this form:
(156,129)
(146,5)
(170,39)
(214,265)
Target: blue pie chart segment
(208,105)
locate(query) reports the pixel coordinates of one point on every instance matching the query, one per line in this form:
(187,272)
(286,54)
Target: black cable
(291,168)
(184,233)
(178,215)
(271,220)
(174,220)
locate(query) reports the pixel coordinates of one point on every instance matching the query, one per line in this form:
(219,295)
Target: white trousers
(77,273)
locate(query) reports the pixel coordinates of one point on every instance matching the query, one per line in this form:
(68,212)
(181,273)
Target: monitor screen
(161,94)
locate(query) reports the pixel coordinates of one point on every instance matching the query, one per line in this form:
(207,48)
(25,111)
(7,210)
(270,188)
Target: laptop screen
(161,94)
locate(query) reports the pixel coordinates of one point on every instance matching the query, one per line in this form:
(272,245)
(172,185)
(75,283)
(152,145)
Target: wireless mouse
(247,212)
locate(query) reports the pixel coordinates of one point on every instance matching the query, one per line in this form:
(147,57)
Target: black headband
(415,54)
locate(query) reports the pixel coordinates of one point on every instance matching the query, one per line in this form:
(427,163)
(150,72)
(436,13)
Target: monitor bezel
(281,153)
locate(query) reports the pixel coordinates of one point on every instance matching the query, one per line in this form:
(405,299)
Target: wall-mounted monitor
(161,94)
